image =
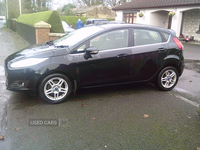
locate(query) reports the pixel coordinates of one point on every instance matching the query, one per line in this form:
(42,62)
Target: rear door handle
(162,50)
(122,55)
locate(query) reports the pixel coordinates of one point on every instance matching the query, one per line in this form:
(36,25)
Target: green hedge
(71,20)
(50,17)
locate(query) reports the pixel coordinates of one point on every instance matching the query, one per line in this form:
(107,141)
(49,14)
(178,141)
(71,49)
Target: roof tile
(141,4)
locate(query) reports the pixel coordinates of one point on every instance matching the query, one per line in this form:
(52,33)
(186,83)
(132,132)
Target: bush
(71,20)
(50,17)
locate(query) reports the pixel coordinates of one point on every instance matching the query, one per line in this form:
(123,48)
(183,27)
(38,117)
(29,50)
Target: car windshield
(76,36)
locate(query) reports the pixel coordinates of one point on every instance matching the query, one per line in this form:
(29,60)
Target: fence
(38,33)
(11,24)
(27,32)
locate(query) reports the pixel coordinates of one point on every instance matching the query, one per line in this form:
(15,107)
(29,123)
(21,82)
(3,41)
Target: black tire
(55,88)
(167,79)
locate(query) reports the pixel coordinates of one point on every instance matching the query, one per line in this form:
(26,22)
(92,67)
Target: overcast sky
(59,3)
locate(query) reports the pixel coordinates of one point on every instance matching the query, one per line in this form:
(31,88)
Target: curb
(191,61)
(191,43)
(199,109)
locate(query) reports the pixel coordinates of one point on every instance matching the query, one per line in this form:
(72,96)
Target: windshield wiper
(61,46)
(49,43)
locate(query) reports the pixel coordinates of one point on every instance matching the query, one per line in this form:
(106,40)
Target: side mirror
(90,51)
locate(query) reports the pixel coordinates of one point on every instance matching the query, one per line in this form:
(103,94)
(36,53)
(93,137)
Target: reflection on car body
(94,21)
(96,56)
(66,27)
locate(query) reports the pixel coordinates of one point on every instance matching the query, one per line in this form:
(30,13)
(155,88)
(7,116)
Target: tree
(88,2)
(13,9)
(2,8)
(112,3)
(42,5)
(67,9)
(68,6)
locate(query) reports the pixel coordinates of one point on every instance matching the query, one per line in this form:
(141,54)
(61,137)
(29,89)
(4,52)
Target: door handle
(162,50)
(122,55)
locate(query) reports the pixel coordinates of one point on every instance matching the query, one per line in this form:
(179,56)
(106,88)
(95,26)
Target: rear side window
(145,37)
(166,36)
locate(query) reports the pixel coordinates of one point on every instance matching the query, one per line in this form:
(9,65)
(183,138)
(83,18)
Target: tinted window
(76,36)
(144,37)
(111,40)
(100,22)
(166,36)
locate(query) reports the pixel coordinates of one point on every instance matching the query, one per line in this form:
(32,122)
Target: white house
(186,20)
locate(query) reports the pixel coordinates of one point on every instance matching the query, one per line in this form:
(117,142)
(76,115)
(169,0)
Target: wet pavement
(133,116)
(10,42)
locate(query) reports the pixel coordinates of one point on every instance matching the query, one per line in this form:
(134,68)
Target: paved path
(10,42)
(191,51)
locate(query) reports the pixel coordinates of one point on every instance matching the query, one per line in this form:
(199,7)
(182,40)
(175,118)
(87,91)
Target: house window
(130,17)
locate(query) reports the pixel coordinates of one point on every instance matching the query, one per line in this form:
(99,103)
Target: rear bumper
(182,65)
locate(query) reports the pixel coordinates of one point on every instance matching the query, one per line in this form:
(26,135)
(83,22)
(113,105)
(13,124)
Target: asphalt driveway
(133,116)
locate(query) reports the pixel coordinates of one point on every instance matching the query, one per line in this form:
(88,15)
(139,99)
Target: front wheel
(55,88)
(167,79)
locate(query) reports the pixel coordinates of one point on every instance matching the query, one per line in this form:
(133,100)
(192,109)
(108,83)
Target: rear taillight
(178,43)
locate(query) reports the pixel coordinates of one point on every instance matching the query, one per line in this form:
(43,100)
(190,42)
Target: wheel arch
(169,61)
(73,80)
(173,61)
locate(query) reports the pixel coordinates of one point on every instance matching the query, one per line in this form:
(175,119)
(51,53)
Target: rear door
(148,53)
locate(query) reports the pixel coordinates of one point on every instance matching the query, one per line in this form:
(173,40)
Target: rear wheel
(55,88)
(167,79)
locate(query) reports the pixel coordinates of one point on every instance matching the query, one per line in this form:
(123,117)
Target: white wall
(119,15)
(159,17)
(191,23)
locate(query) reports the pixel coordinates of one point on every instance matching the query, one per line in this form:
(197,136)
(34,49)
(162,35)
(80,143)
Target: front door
(111,64)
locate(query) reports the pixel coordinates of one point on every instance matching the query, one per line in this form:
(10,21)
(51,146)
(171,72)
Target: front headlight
(27,62)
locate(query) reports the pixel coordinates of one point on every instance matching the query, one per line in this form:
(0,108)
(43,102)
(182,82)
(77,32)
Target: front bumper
(21,79)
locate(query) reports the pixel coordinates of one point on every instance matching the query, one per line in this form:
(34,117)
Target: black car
(96,56)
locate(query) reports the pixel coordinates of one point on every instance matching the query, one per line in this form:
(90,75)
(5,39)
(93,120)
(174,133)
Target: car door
(148,54)
(111,63)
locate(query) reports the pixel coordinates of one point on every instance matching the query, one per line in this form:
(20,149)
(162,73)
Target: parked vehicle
(2,17)
(96,56)
(93,21)
(67,28)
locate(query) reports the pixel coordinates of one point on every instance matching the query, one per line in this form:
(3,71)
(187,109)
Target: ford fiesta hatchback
(96,56)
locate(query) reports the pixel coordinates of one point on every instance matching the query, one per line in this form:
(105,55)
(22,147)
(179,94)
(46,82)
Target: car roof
(115,26)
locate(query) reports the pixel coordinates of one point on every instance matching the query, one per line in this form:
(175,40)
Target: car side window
(80,49)
(111,40)
(89,22)
(166,36)
(145,37)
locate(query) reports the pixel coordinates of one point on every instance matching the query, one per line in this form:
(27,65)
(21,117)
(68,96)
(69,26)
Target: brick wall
(53,36)
(33,35)
(191,21)
(42,31)
(42,34)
